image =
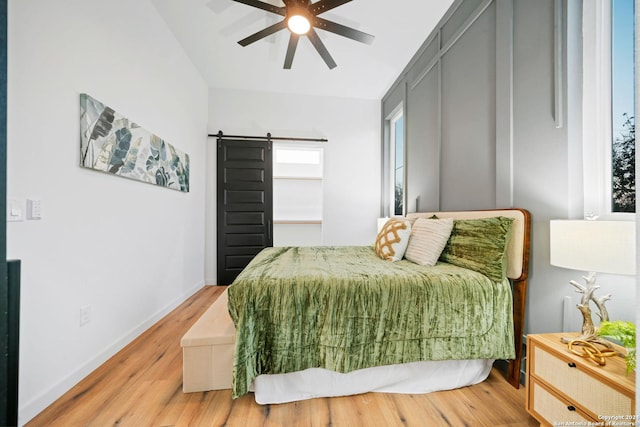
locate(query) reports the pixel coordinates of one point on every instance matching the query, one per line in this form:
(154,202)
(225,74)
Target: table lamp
(596,247)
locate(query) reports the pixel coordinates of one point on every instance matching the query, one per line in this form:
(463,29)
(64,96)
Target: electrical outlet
(85,315)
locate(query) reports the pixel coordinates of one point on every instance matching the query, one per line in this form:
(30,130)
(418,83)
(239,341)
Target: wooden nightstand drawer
(579,387)
(554,408)
(564,387)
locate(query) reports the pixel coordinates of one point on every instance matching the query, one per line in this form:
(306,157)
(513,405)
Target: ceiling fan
(301,18)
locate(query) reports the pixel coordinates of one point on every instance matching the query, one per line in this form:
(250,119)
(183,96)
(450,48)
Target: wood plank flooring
(142,386)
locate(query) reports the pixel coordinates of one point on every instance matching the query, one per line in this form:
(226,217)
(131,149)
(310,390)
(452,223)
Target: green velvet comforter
(343,308)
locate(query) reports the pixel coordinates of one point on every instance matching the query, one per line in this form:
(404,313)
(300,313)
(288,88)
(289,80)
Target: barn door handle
(269,230)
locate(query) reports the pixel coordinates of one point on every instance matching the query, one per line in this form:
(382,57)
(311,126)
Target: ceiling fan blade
(264,33)
(291,50)
(264,6)
(342,30)
(324,5)
(321,48)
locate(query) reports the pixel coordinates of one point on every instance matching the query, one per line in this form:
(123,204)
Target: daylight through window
(397,163)
(623,183)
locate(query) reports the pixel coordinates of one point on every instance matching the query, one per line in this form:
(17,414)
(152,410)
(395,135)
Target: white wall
(132,251)
(351,157)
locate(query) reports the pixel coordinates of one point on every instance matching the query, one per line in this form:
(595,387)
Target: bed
(330,321)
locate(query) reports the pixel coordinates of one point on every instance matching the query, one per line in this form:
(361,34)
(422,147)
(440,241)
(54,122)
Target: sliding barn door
(245,204)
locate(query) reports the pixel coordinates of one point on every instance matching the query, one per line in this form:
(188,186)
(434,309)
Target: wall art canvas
(114,144)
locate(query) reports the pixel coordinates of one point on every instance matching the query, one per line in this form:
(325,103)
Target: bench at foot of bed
(207,350)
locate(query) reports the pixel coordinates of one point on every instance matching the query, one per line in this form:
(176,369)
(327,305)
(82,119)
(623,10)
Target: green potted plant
(625,333)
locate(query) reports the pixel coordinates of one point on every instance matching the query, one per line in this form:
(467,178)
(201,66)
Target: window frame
(392,120)
(597,125)
(306,170)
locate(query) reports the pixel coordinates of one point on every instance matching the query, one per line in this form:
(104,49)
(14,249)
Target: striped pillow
(428,239)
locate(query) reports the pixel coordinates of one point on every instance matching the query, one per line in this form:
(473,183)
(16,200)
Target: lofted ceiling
(209,31)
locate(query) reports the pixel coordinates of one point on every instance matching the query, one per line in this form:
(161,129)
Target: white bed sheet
(408,378)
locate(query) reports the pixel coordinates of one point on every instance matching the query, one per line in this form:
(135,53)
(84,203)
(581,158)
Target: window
(608,108)
(298,156)
(623,135)
(396,151)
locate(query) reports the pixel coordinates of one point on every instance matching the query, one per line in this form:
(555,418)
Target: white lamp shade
(590,245)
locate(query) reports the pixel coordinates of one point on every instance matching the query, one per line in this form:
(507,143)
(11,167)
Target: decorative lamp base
(589,338)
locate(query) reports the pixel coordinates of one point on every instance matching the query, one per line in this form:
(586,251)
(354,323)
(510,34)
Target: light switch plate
(34,209)
(15,210)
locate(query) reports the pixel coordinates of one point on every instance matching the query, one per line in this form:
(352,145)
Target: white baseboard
(36,405)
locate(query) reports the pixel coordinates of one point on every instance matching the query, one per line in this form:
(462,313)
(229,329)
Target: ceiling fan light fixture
(301,19)
(299,24)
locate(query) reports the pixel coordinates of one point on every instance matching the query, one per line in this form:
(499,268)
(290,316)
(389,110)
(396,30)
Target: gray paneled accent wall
(423,100)
(480,100)
(468,117)
(448,92)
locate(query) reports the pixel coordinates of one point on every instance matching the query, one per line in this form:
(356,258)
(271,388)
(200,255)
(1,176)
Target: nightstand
(565,388)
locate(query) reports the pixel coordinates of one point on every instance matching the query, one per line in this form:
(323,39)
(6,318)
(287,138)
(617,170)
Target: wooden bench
(207,350)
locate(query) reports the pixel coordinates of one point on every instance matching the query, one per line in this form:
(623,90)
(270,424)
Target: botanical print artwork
(114,144)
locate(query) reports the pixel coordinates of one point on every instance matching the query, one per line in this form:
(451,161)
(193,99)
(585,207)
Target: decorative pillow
(480,245)
(392,239)
(428,239)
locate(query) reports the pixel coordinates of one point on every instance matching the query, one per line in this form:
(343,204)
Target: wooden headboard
(518,249)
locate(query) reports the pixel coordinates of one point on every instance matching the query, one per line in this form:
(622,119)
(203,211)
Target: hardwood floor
(142,386)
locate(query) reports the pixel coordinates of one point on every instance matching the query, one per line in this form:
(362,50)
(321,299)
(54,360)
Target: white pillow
(393,239)
(428,239)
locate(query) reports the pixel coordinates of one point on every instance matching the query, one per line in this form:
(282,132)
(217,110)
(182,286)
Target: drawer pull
(572,365)
(571,408)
